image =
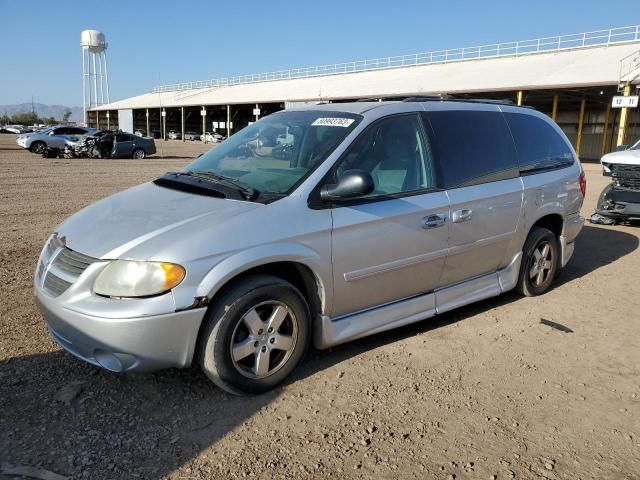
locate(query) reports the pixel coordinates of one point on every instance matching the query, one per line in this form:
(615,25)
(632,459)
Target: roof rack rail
(449,98)
(443,98)
(428,98)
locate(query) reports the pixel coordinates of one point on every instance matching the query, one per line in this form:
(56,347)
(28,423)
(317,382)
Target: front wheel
(139,154)
(38,148)
(540,260)
(255,335)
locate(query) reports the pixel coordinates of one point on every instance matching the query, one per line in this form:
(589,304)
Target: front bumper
(619,203)
(140,344)
(22,142)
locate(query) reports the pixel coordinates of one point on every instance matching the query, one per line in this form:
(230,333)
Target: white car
(212,137)
(620,200)
(14,128)
(55,137)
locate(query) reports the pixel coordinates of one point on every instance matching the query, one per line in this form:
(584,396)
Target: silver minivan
(319,225)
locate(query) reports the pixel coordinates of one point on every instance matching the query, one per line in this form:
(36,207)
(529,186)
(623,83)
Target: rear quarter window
(540,147)
(471,147)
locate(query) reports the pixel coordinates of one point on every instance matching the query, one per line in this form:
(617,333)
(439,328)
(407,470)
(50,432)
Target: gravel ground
(487,391)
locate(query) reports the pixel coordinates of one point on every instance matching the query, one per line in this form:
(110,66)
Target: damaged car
(108,144)
(620,200)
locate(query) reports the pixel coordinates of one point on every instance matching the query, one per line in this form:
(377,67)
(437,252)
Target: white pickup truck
(620,200)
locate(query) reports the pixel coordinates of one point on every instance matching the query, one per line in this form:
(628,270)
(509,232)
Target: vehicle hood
(125,221)
(627,157)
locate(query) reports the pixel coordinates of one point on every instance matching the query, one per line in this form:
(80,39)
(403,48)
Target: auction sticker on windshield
(333,122)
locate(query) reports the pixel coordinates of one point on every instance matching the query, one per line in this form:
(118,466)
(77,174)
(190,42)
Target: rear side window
(472,147)
(538,144)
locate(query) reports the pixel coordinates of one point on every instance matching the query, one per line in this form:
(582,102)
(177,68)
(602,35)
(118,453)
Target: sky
(159,42)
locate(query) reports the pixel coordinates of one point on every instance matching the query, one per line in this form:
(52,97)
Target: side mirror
(621,148)
(353,184)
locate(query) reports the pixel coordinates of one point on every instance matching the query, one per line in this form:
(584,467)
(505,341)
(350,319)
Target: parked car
(14,128)
(213,137)
(55,137)
(174,135)
(376,215)
(140,133)
(191,136)
(620,200)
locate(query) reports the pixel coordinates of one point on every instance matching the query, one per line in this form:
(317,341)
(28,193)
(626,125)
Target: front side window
(274,154)
(395,153)
(539,146)
(472,147)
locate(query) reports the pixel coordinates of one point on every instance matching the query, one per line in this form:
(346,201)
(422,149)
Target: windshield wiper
(248,192)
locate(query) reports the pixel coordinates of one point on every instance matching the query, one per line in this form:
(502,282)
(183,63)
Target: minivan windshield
(273,155)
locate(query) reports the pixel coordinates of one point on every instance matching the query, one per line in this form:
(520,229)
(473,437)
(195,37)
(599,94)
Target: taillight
(583,184)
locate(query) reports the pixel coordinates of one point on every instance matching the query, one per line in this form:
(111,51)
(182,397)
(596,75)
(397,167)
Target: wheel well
(299,275)
(551,222)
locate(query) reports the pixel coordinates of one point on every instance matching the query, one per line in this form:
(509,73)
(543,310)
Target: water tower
(94,46)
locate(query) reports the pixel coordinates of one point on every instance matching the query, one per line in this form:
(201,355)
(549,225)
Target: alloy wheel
(264,339)
(541,264)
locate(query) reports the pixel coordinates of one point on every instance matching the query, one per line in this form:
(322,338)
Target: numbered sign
(256,111)
(625,102)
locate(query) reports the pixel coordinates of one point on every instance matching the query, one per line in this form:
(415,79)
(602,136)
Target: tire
(242,317)
(139,154)
(540,261)
(38,147)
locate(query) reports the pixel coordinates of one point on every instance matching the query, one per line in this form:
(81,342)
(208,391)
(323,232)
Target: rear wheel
(255,335)
(541,254)
(38,147)
(139,153)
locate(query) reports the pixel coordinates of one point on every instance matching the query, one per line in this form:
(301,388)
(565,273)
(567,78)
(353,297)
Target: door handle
(460,216)
(433,221)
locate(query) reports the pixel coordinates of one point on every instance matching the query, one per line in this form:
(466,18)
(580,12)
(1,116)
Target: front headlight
(606,169)
(128,278)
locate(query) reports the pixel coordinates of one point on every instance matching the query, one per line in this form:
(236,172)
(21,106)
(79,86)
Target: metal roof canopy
(581,67)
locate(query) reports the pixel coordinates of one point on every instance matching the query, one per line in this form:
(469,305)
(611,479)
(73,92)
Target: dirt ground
(487,391)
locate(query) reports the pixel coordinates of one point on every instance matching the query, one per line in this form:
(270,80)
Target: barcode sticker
(333,122)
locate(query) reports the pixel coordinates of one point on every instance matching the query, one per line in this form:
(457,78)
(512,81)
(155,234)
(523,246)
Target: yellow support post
(583,103)
(182,122)
(98,119)
(228,121)
(554,109)
(108,127)
(624,119)
(148,132)
(603,147)
(520,95)
(257,115)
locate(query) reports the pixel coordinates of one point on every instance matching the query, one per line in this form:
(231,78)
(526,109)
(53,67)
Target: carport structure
(222,119)
(571,77)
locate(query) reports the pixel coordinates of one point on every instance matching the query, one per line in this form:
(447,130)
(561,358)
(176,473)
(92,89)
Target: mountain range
(55,111)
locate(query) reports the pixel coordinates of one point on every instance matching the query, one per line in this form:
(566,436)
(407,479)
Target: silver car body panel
(366,259)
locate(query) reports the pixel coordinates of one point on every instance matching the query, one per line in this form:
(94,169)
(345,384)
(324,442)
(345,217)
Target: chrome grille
(55,285)
(626,176)
(60,267)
